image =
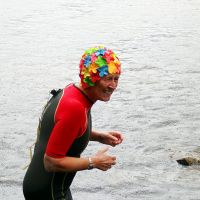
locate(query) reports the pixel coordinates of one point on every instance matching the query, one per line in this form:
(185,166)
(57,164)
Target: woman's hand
(112,138)
(102,160)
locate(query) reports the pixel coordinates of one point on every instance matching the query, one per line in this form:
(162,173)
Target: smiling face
(103,88)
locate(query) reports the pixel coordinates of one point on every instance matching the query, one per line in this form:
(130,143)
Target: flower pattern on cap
(96,63)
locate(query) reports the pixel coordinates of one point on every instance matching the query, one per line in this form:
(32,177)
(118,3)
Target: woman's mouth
(108,91)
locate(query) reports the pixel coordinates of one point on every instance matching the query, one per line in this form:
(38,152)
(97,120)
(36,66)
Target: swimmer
(65,129)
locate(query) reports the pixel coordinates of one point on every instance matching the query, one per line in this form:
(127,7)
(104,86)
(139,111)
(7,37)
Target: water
(156,107)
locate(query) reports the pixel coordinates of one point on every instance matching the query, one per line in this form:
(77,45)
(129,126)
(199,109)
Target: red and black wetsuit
(64,130)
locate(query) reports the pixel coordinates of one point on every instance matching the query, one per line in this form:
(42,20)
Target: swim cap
(96,63)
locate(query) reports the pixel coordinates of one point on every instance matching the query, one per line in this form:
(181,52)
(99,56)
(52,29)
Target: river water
(156,106)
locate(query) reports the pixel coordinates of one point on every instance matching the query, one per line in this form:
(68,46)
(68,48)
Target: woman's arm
(100,160)
(112,138)
(70,164)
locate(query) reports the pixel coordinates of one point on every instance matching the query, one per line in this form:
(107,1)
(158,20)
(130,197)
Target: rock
(187,161)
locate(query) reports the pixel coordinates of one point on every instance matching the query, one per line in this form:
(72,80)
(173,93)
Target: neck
(87,93)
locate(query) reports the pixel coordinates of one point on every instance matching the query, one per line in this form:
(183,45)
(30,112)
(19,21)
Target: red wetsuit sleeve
(70,123)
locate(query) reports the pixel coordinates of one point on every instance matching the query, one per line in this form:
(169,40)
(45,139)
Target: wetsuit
(63,130)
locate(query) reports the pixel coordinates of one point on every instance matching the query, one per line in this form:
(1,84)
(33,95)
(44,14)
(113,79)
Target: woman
(65,129)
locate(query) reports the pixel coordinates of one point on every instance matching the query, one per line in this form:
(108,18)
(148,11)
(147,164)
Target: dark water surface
(157,104)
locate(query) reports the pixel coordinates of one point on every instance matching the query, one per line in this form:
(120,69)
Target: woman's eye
(108,78)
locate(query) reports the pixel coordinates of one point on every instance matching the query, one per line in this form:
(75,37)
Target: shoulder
(69,106)
(68,102)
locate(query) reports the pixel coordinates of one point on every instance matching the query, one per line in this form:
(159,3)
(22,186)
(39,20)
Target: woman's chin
(105,98)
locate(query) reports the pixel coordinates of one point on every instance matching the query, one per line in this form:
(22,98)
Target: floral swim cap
(97,62)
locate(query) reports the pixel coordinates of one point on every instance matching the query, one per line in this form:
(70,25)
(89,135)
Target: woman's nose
(113,84)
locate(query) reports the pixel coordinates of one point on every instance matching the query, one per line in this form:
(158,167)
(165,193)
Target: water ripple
(165,123)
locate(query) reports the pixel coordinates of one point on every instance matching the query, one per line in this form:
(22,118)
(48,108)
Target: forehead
(111,76)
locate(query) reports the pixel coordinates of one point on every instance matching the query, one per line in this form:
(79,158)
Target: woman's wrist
(100,137)
(90,163)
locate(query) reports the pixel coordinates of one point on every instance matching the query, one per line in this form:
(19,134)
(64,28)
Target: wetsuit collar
(84,94)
